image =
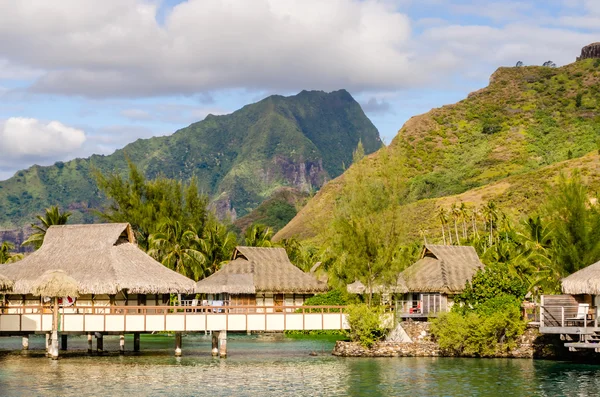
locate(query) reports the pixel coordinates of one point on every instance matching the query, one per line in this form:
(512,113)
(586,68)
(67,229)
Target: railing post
(562,316)
(542,311)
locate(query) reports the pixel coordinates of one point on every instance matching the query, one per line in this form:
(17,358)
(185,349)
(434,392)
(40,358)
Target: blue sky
(80,76)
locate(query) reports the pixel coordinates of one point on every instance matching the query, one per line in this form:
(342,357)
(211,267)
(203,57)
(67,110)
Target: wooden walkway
(21,320)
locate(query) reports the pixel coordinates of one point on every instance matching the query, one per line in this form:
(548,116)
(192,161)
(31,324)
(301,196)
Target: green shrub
(365,324)
(332,298)
(478,334)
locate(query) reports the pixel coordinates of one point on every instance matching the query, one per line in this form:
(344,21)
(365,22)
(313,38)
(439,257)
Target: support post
(47,345)
(177,344)
(223,344)
(54,346)
(90,345)
(63,342)
(215,344)
(136,342)
(99,342)
(122,344)
(26,342)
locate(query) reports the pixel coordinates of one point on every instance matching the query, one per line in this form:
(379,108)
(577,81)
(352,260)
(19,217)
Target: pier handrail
(548,316)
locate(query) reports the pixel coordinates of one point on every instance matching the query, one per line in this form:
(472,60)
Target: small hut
(428,286)
(104,261)
(584,285)
(259,277)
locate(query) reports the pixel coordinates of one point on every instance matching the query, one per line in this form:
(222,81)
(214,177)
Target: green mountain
(526,120)
(240,159)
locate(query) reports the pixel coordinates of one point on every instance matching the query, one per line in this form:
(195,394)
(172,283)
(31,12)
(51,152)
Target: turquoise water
(275,366)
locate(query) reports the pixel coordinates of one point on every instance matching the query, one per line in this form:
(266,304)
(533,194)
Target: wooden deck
(558,313)
(20,320)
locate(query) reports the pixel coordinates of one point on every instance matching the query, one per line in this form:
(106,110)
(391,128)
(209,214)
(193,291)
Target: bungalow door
(278,302)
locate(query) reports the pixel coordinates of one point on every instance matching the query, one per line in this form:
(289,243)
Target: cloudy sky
(84,76)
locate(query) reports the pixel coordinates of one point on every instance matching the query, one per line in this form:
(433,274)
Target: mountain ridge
(239,159)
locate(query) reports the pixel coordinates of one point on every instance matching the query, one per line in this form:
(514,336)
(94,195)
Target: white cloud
(26,139)
(116,47)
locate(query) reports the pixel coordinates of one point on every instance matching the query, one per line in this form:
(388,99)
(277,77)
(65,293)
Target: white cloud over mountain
(33,140)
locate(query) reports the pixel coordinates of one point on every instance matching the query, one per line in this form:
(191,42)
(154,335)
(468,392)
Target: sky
(79,77)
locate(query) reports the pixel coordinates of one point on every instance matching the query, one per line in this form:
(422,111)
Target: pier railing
(78,319)
(562,314)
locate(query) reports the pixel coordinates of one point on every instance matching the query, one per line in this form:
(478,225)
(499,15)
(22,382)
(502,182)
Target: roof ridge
(444,272)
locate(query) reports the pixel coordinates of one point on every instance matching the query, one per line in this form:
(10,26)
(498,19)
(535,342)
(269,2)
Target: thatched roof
(102,259)
(5,283)
(263,270)
(55,283)
(584,281)
(442,268)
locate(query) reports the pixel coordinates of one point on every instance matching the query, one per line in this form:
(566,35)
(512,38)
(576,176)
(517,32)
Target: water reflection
(263,366)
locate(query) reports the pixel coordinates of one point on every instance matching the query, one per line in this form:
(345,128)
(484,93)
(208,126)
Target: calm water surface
(275,366)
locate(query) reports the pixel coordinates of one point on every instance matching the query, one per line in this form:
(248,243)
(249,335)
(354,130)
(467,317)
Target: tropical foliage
(366,324)
(52,216)
(6,254)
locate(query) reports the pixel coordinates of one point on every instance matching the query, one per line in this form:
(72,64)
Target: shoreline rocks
(531,345)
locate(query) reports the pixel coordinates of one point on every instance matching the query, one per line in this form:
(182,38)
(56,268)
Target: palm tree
(491,214)
(443,218)
(258,236)
(5,253)
(455,212)
(178,248)
(217,245)
(464,214)
(52,217)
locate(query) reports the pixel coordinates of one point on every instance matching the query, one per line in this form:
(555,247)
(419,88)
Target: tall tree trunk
(444,233)
(456,231)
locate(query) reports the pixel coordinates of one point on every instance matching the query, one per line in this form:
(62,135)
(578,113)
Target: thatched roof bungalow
(428,285)
(442,269)
(262,277)
(583,282)
(104,261)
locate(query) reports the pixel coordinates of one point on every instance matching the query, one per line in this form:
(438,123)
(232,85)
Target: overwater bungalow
(574,315)
(428,286)
(106,263)
(262,277)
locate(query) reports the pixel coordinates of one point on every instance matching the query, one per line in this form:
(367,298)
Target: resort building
(428,286)
(259,277)
(105,262)
(574,315)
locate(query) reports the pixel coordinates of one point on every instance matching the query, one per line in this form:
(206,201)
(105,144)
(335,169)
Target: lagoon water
(275,366)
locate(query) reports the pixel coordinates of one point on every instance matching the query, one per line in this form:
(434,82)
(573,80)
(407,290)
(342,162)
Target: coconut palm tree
(217,245)
(51,217)
(6,256)
(178,248)
(491,214)
(464,215)
(258,236)
(442,215)
(455,212)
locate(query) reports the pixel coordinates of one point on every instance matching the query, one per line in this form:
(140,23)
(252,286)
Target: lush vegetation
(238,160)
(53,216)
(507,138)
(6,253)
(366,324)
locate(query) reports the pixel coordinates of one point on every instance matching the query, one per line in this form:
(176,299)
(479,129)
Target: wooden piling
(215,344)
(99,342)
(54,346)
(122,344)
(47,345)
(223,344)
(90,345)
(136,342)
(63,342)
(26,342)
(178,344)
